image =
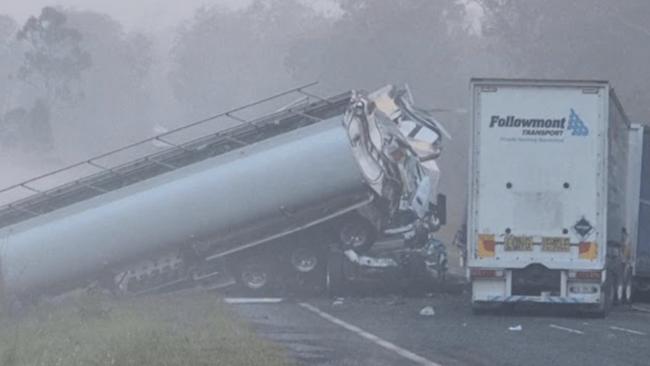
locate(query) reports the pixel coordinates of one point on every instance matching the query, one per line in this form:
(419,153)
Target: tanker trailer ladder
(284,112)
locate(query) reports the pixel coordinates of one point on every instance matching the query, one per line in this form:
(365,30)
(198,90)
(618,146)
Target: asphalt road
(389,330)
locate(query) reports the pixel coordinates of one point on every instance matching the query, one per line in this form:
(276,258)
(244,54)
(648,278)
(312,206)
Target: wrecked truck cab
(396,145)
(399,146)
(411,141)
(381,152)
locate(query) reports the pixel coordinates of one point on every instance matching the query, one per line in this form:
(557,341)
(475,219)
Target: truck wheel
(443,268)
(627,297)
(479,309)
(253,276)
(484,309)
(603,309)
(305,259)
(336,282)
(357,234)
(619,297)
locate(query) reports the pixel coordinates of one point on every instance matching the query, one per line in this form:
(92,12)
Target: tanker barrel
(197,203)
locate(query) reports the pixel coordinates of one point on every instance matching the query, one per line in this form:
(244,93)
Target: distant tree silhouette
(54,59)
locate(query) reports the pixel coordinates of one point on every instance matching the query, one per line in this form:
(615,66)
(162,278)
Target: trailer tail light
(486,273)
(486,244)
(588,250)
(585,275)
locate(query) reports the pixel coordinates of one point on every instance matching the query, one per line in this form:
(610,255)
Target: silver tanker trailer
(272,194)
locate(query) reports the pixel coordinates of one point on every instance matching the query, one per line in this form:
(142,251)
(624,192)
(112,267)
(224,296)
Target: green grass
(187,328)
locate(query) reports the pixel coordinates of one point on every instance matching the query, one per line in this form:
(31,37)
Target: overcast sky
(140,14)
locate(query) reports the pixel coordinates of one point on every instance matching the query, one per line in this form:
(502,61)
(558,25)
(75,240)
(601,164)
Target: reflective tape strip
(545,299)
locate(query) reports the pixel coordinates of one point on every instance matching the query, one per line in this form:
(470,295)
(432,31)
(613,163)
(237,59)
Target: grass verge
(187,328)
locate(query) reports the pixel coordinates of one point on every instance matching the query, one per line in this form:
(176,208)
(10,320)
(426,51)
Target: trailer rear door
(538,189)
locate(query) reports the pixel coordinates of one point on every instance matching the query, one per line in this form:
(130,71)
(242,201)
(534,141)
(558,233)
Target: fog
(104,73)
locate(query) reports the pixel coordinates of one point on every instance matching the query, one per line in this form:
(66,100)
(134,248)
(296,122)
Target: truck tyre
(627,297)
(253,276)
(619,296)
(479,309)
(484,308)
(357,234)
(336,281)
(305,259)
(603,309)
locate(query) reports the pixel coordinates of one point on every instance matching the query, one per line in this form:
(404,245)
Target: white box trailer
(547,195)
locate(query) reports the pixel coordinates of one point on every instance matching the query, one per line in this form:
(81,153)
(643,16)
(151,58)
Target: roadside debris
(396,300)
(427,311)
(516,328)
(338,301)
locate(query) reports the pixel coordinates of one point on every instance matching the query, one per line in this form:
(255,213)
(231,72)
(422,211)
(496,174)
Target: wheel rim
(254,279)
(354,235)
(304,260)
(619,292)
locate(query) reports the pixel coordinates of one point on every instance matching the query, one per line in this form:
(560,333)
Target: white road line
(369,336)
(626,330)
(570,330)
(252,300)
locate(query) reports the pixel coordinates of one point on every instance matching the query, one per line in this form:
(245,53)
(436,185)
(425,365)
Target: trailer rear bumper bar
(567,291)
(542,299)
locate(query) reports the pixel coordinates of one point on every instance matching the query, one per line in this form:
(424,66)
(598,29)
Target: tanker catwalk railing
(308,108)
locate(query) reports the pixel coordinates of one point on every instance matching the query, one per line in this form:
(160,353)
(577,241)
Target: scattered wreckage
(272,199)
